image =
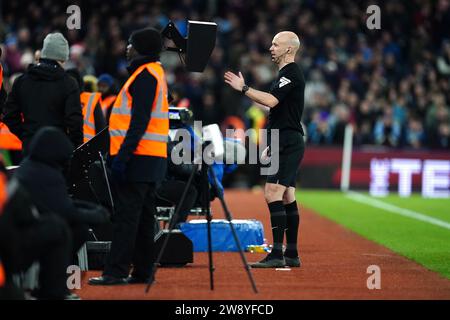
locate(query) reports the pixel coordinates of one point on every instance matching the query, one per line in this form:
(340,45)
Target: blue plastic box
(249,232)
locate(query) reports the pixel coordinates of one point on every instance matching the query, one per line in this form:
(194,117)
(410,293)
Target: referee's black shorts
(292,148)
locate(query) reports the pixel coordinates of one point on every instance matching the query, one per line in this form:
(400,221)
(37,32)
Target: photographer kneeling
(26,237)
(41,175)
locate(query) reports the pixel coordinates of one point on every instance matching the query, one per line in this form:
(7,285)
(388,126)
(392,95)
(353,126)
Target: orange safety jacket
(3,193)
(88,101)
(2,203)
(106,104)
(8,140)
(154,140)
(2,275)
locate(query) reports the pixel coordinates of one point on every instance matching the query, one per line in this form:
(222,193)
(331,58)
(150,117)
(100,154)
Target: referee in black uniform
(286,103)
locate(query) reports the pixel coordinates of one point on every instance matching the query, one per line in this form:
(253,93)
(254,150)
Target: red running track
(335,262)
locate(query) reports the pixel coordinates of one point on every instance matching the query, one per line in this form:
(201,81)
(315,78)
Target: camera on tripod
(180,117)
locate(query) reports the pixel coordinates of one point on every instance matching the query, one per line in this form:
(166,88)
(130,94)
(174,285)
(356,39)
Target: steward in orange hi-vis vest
(89,101)
(154,140)
(93,119)
(139,130)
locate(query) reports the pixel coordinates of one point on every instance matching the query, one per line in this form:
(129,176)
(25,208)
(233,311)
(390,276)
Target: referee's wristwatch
(245,89)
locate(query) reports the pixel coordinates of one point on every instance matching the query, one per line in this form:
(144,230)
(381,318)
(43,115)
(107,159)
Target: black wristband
(245,89)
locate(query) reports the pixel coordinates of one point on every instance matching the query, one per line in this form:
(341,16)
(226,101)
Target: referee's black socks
(292,223)
(278,221)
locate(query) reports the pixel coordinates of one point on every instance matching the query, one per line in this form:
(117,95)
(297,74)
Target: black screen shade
(200,44)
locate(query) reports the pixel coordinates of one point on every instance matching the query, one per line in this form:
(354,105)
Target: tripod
(205,208)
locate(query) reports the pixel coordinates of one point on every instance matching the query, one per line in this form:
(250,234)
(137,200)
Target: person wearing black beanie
(146,42)
(138,128)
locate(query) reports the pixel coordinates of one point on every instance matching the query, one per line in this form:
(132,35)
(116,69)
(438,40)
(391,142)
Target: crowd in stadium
(392,83)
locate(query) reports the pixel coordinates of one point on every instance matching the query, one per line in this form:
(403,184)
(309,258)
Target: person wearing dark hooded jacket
(26,236)
(45,96)
(41,175)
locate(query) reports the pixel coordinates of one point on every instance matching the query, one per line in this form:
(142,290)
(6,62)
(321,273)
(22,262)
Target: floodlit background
(390,86)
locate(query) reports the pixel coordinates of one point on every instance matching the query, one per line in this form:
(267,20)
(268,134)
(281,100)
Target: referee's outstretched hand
(236,82)
(265,156)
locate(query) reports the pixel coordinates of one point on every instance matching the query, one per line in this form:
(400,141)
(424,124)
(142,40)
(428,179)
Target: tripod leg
(210,254)
(206,209)
(171,226)
(233,231)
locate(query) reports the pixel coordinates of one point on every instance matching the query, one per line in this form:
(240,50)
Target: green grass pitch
(425,243)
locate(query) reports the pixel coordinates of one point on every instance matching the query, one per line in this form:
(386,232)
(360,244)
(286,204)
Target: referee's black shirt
(289,89)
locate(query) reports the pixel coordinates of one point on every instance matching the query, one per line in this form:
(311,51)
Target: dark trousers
(133,230)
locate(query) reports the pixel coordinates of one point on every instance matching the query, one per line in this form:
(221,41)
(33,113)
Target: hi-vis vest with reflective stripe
(154,140)
(88,101)
(106,103)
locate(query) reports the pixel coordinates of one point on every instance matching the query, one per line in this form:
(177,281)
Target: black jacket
(143,90)
(45,96)
(2,100)
(41,175)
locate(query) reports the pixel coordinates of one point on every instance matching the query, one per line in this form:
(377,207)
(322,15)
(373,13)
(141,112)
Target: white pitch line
(355,196)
